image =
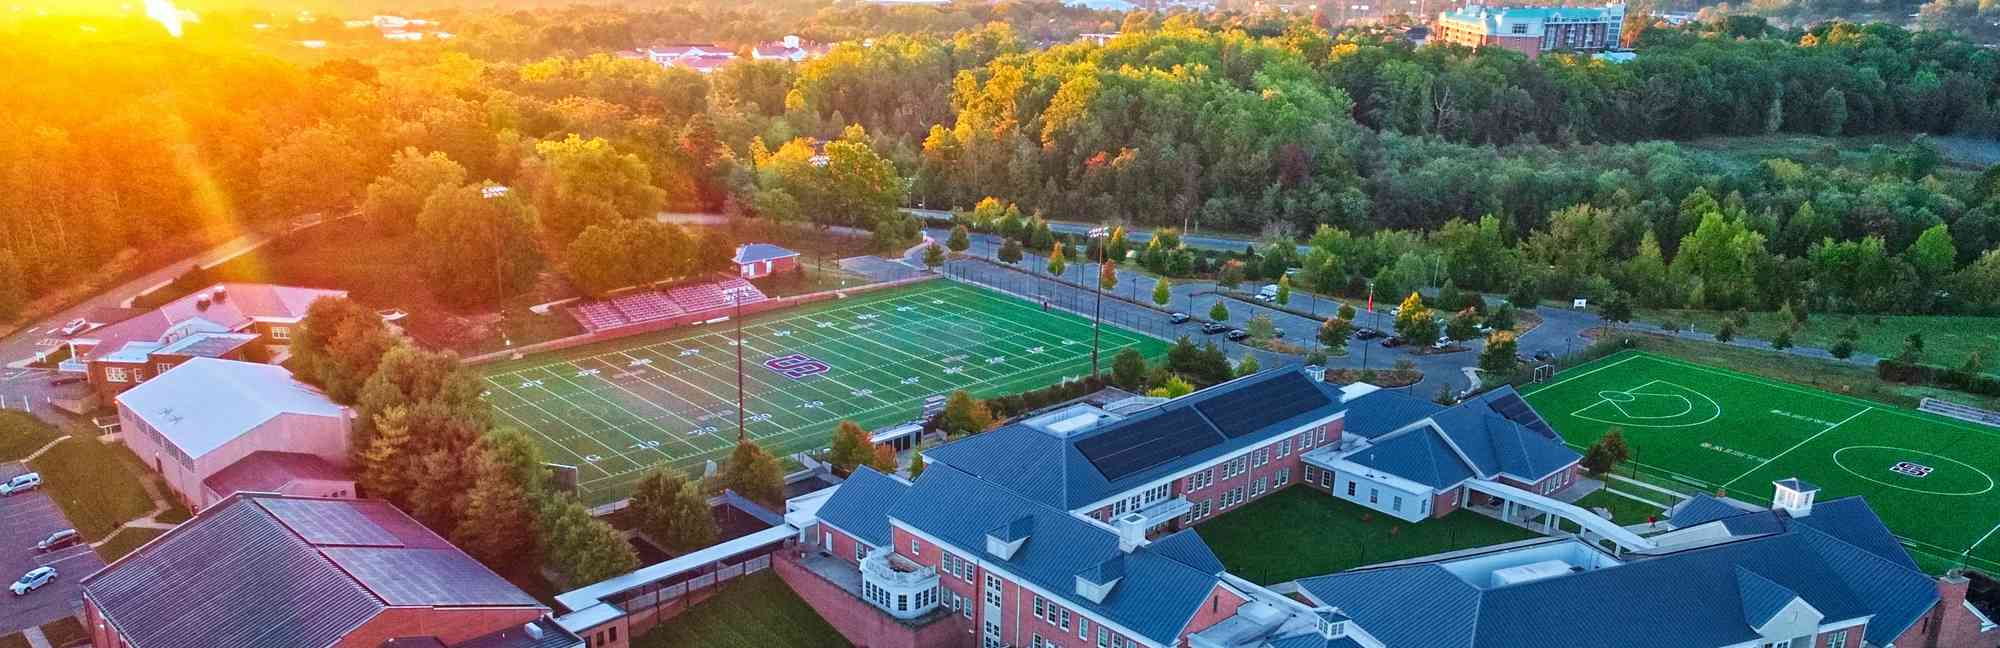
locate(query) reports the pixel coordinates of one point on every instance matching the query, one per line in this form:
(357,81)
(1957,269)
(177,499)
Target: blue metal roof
(1796,484)
(1188,548)
(1850,519)
(1383,411)
(1419,455)
(1156,594)
(753,252)
(1052,471)
(553,636)
(861,506)
(1702,508)
(1762,599)
(1497,445)
(1313,640)
(1686,598)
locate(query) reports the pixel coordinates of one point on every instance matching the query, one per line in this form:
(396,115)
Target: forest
(528,145)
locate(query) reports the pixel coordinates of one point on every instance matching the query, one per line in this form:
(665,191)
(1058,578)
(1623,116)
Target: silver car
(33,580)
(21,484)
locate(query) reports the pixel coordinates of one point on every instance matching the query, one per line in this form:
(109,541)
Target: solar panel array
(1245,411)
(1145,443)
(426,576)
(330,522)
(1518,411)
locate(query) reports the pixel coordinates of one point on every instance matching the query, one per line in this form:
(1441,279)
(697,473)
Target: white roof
(205,402)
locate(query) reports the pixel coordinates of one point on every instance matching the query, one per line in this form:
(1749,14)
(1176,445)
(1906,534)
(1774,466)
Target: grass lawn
(22,433)
(66,631)
(1948,339)
(96,484)
(176,513)
(1624,510)
(15,640)
(125,541)
(1837,377)
(756,611)
(1300,532)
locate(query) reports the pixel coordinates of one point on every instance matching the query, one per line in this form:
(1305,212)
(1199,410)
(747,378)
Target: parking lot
(26,519)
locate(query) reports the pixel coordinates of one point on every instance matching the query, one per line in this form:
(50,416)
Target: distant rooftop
(204,403)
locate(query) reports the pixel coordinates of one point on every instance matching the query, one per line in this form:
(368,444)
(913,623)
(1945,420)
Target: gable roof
(239,305)
(1188,548)
(1156,593)
(1497,446)
(266,471)
(1053,470)
(1702,508)
(1762,599)
(753,252)
(270,571)
(204,403)
(861,505)
(1679,598)
(1420,455)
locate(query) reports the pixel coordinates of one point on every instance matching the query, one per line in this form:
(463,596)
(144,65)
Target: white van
(1269,293)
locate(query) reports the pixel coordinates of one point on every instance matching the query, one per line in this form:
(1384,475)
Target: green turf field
(618,409)
(1930,478)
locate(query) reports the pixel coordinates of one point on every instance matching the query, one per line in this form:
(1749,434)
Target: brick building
(271,571)
(231,321)
(1071,529)
(1532,30)
(755,260)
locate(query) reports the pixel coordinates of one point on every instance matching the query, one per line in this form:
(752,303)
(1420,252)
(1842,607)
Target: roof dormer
(1095,583)
(1793,496)
(1004,540)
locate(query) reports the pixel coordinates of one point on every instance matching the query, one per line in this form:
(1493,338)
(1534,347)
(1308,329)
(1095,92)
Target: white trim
(979,558)
(1183,473)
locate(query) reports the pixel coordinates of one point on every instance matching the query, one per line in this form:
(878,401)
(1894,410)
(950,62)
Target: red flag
(1371,302)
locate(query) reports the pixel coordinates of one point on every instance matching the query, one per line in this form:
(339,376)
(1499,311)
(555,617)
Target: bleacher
(654,305)
(1959,411)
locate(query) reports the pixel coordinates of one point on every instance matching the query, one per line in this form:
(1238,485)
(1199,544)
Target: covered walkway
(1552,516)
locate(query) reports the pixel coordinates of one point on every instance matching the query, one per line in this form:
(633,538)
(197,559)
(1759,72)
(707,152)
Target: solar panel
(426,576)
(1518,411)
(330,522)
(1256,407)
(1145,443)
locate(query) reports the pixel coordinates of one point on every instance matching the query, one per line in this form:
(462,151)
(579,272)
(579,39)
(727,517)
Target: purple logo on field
(1911,469)
(797,365)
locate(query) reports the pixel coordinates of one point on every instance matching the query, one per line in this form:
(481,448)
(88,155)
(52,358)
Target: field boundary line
(1880,406)
(1635,355)
(1796,446)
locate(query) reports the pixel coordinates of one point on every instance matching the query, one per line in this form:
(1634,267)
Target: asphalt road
(26,519)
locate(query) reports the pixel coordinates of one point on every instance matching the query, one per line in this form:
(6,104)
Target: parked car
(1177,318)
(1238,335)
(1544,356)
(76,326)
(21,484)
(1393,342)
(59,381)
(1367,334)
(392,314)
(1268,293)
(33,580)
(1213,328)
(59,540)
(1442,343)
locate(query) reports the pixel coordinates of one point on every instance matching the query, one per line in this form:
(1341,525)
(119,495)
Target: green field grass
(1948,339)
(21,433)
(1930,478)
(96,484)
(125,541)
(619,409)
(755,611)
(1624,510)
(1298,532)
(64,632)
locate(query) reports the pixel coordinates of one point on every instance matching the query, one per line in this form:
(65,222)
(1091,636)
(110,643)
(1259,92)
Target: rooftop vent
(534,630)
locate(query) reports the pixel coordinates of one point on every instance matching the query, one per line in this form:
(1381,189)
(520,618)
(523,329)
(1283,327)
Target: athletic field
(619,409)
(1930,478)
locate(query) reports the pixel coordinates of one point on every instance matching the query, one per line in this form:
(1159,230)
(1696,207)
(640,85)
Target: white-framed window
(1306,440)
(1083,628)
(993,590)
(1284,447)
(1038,606)
(1284,476)
(1103,637)
(1350,488)
(281,333)
(161,367)
(1396,503)
(860,551)
(1065,619)
(916,547)
(1837,640)
(115,374)
(1374,495)
(1326,479)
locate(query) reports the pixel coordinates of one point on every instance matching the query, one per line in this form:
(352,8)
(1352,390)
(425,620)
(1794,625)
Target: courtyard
(1298,532)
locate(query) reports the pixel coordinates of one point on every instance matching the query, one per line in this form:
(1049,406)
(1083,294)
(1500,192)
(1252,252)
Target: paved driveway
(24,520)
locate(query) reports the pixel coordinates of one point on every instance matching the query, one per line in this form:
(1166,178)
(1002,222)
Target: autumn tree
(849,448)
(755,474)
(477,246)
(883,459)
(578,182)
(337,346)
(395,198)
(965,415)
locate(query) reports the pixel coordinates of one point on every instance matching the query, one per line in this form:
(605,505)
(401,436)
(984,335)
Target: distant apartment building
(791,48)
(229,321)
(1532,30)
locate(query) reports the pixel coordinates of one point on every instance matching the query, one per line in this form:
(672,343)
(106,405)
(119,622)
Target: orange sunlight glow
(165,13)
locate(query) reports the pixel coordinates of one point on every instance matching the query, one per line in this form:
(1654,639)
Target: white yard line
(1982,539)
(525,425)
(1796,446)
(1574,377)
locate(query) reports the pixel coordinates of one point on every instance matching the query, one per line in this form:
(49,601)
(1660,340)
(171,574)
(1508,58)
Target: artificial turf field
(619,409)
(1930,478)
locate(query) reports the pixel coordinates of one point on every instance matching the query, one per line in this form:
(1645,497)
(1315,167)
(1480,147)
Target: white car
(33,580)
(76,326)
(21,484)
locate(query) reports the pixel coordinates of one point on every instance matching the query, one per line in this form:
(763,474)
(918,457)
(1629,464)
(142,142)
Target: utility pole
(742,433)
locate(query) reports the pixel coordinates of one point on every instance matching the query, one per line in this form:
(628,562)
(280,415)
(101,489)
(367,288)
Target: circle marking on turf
(1617,398)
(1850,470)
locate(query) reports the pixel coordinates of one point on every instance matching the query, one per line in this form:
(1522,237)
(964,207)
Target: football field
(619,409)
(1930,478)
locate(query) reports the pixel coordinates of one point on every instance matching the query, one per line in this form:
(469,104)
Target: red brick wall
(1444,503)
(448,625)
(860,623)
(843,544)
(1855,635)
(101,633)
(1221,604)
(1949,624)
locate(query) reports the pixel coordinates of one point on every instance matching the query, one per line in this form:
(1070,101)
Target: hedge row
(1894,370)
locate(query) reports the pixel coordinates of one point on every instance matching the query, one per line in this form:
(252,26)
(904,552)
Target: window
(1065,620)
(1103,638)
(162,368)
(1326,480)
(1284,447)
(1038,606)
(964,607)
(1305,440)
(916,547)
(993,590)
(860,551)
(1350,488)
(114,374)
(1374,495)
(1837,640)
(1309,474)
(1284,476)
(1083,629)
(1520,28)
(1396,503)
(280,333)
(612,636)
(1038,641)
(902,602)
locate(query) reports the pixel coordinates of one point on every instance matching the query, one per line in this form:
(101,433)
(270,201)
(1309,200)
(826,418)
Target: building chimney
(220,294)
(1793,496)
(201,301)
(1131,532)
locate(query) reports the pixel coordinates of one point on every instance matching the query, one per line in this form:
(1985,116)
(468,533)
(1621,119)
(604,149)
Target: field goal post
(1544,371)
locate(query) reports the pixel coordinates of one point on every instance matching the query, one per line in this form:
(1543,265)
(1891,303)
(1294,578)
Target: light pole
(1372,318)
(742,433)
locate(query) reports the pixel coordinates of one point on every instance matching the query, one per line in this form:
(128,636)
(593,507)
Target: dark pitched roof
(1681,598)
(1053,470)
(861,506)
(1497,445)
(1383,411)
(1702,508)
(1420,455)
(1188,548)
(269,571)
(553,636)
(752,252)
(1762,599)
(266,471)
(1156,593)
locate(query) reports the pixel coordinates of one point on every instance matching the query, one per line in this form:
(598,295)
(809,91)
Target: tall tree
(338,345)
(582,549)
(690,522)
(578,182)
(395,198)
(476,245)
(498,527)
(755,474)
(849,448)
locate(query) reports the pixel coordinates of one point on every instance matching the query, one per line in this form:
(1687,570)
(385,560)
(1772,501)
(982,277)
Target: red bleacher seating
(654,305)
